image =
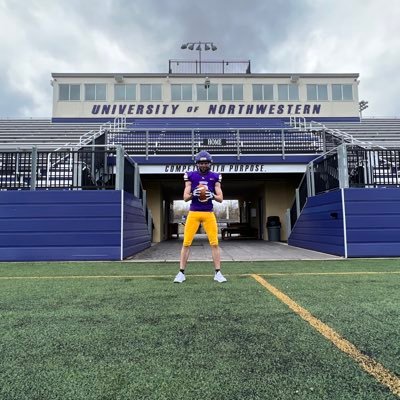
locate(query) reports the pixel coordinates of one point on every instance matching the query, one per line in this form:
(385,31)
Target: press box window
(232,92)
(288,92)
(181,92)
(342,92)
(207,94)
(125,92)
(150,92)
(95,92)
(263,92)
(69,92)
(317,92)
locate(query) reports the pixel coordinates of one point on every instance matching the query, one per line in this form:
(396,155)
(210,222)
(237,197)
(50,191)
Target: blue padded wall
(373,222)
(60,225)
(320,226)
(136,236)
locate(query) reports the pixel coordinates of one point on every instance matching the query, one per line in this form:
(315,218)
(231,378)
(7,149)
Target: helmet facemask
(203,166)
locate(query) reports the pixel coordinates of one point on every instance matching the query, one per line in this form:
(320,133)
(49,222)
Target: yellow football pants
(193,221)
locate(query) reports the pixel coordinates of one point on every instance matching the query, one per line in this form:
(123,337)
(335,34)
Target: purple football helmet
(203,161)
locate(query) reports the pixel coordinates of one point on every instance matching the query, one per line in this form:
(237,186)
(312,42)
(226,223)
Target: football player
(201,212)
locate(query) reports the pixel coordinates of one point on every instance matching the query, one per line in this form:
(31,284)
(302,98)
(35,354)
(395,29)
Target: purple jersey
(208,179)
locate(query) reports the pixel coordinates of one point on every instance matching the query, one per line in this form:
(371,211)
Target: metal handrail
(219,67)
(49,167)
(298,122)
(92,135)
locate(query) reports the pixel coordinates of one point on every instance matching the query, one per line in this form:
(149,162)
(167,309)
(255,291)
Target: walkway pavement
(231,250)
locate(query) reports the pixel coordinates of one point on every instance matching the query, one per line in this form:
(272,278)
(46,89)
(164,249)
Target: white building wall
(211,109)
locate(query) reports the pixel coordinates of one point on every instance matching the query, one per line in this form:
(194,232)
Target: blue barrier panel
(60,225)
(320,225)
(136,236)
(373,222)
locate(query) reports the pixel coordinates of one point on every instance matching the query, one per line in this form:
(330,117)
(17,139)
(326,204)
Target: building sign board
(220,110)
(225,168)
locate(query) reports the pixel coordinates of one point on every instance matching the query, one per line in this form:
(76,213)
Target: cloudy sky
(38,37)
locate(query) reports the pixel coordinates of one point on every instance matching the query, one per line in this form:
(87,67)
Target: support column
(342,166)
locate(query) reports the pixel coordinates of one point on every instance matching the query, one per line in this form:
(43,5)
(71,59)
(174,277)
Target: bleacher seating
(380,131)
(222,141)
(173,135)
(25,133)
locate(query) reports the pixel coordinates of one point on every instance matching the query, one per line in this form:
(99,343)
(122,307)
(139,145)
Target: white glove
(209,195)
(196,192)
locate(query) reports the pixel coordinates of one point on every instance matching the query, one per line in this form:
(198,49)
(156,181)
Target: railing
(298,122)
(302,192)
(91,136)
(373,168)
(219,141)
(346,166)
(118,125)
(94,168)
(325,173)
(209,67)
(15,170)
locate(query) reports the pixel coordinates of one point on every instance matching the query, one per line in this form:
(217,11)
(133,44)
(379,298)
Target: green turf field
(125,331)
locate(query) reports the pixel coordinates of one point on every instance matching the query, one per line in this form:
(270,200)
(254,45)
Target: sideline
(374,368)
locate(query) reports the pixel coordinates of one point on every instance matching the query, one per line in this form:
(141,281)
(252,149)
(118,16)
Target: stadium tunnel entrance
(259,196)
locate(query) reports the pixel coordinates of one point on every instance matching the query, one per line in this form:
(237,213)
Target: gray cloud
(45,36)
(14,103)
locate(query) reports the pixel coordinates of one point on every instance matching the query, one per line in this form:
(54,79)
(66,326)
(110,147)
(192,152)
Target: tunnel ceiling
(233,185)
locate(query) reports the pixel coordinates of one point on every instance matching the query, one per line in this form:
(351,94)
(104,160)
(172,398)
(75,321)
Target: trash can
(274,228)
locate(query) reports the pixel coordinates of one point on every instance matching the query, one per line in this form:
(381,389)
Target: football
(203,190)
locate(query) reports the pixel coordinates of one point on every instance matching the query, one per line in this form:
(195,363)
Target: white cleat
(219,277)
(180,277)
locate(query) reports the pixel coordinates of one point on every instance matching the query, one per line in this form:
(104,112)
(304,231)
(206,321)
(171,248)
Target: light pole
(363,105)
(200,46)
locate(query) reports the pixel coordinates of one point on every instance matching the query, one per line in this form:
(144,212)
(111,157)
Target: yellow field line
(196,275)
(377,370)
